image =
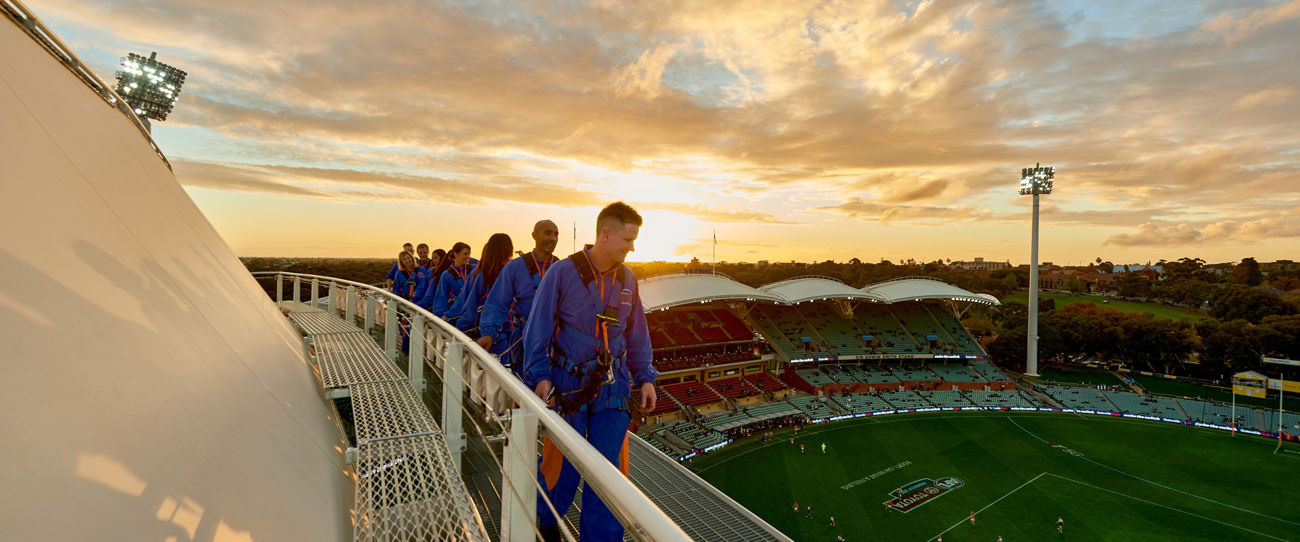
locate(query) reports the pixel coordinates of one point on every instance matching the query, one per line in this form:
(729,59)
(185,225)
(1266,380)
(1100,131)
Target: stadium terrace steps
(871,374)
(858,403)
(664,402)
(814,377)
(914,374)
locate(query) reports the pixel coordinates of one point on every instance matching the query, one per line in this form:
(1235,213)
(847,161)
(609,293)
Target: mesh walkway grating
(320,323)
(294,307)
(389,409)
(407,489)
(352,358)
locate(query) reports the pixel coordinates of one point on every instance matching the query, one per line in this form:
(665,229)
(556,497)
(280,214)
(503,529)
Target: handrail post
(315,293)
(453,389)
(415,359)
(279,288)
(329,302)
(390,330)
(350,305)
(297,287)
(519,465)
(370,312)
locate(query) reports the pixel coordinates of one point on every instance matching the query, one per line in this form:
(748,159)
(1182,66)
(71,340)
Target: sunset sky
(797,130)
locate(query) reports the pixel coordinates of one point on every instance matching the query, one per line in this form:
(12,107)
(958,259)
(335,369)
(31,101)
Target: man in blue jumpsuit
(501,324)
(586,348)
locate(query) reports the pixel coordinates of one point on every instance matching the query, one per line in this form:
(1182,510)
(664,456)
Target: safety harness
(593,375)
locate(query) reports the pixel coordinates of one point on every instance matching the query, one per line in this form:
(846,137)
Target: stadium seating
(1212,412)
(692,393)
(814,377)
(989,372)
(872,374)
(1009,398)
(766,382)
(814,406)
(1150,405)
(734,388)
(1080,398)
(838,374)
(952,372)
(914,373)
(663,402)
(964,342)
(857,403)
(945,398)
(905,399)
(889,336)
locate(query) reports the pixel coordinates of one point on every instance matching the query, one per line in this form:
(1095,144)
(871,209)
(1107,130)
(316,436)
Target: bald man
(501,324)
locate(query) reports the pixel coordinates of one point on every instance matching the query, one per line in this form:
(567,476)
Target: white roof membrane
(916,289)
(154,391)
(664,291)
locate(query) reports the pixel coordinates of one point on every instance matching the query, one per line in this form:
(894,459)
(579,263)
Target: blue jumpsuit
(449,286)
(425,287)
(467,308)
(562,336)
(507,307)
(404,286)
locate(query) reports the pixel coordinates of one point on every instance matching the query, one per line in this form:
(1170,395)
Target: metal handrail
(23,17)
(638,514)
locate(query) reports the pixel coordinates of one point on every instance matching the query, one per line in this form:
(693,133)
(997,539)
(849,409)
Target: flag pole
(715,251)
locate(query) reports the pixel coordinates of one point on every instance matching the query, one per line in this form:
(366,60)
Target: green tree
(1247,272)
(1077,285)
(1246,303)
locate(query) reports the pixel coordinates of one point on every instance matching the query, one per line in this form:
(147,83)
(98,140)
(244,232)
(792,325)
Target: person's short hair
(422,245)
(617,212)
(404,245)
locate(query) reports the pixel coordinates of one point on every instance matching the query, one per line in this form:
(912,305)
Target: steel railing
(23,17)
(450,348)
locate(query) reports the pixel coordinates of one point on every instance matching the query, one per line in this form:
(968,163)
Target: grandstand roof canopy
(918,288)
(801,289)
(667,291)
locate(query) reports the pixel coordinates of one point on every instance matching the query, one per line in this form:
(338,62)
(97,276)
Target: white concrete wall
(149,390)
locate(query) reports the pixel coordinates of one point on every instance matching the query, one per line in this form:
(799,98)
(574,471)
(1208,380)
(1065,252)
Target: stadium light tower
(151,87)
(1034,181)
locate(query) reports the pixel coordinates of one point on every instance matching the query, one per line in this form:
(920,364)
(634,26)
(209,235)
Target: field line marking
(987,506)
(1167,507)
(1157,484)
(1026,430)
(1193,495)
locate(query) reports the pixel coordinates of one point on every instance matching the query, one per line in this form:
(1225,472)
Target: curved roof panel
(916,289)
(665,291)
(801,289)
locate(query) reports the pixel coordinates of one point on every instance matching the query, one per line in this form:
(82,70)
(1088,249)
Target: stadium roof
(801,289)
(918,288)
(666,291)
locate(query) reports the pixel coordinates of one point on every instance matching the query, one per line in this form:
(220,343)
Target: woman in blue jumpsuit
(451,280)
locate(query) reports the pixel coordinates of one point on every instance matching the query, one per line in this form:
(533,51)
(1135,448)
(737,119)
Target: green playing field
(1108,478)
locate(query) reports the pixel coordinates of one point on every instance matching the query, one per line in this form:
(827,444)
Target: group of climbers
(572,329)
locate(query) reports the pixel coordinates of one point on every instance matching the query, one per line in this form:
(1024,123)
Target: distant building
(980,265)
(1158,270)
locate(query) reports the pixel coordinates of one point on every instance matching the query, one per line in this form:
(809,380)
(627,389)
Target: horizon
(816,130)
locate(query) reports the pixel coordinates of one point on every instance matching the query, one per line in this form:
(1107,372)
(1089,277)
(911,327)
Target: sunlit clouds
(832,130)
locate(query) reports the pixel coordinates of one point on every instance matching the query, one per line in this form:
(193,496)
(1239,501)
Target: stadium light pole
(1034,181)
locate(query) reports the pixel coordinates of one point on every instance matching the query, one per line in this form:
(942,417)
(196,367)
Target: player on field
(809,511)
(1060,524)
(823,448)
(938,537)
(800,447)
(972,518)
(796,507)
(832,521)
(999,538)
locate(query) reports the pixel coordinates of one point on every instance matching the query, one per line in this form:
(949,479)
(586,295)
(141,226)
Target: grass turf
(1160,311)
(1113,479)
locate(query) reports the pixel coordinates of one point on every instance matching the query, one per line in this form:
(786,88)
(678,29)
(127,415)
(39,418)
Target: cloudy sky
(803,130)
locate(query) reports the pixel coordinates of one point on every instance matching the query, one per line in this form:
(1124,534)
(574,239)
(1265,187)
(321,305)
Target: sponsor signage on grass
(913,495)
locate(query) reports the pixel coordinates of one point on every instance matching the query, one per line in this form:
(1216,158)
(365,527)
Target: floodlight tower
(151,87)
(1034,181)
